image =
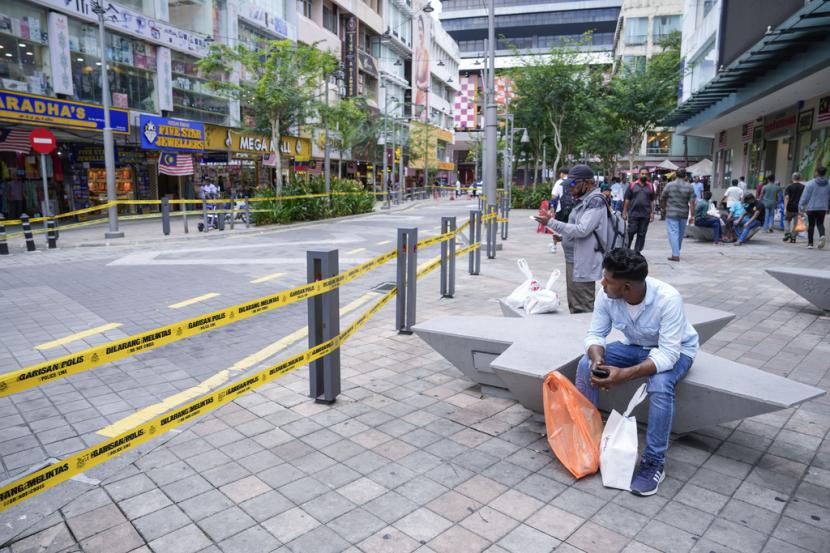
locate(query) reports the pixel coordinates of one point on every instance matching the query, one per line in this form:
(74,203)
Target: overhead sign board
(173,135)
(32,109)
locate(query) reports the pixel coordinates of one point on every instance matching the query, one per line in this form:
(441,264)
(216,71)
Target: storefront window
(813,151)
(192,98)
(658,143)
(24,59)
(132,67)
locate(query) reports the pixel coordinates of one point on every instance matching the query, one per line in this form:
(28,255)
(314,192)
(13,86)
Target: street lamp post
(109,145)
(337,74)
(385,120)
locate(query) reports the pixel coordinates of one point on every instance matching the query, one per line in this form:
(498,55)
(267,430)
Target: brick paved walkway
(413,458)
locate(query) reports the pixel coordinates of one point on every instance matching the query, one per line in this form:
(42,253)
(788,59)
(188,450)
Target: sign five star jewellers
(172,135)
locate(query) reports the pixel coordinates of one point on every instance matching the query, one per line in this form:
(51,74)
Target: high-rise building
(641,28)
(529,27)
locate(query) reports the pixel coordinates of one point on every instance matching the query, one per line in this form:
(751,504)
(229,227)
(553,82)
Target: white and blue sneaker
(647,478)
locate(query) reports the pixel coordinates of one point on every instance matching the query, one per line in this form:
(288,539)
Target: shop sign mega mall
(40,110)
(173,135)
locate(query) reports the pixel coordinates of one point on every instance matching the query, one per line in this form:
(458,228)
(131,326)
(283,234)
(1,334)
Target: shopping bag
(544,300)
(516,299)
(799,225)
(573,425)
(618,448)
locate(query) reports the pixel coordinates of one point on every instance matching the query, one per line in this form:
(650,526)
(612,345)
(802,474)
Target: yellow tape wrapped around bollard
(74,363)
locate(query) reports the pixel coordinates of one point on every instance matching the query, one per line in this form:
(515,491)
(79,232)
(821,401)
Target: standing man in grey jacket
(584,237)
(815,202)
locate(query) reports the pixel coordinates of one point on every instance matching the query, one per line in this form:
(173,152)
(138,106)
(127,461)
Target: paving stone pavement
(412,457)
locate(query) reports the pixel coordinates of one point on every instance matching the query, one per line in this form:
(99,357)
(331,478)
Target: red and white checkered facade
(464,105)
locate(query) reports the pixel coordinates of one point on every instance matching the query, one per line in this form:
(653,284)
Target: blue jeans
(713,222)
(769,218)
(661,387)
(744,229)
(676,229)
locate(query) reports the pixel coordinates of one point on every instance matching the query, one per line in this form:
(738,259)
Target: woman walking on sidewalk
(815,201)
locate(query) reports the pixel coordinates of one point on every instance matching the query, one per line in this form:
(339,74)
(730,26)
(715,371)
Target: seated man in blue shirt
(658,344)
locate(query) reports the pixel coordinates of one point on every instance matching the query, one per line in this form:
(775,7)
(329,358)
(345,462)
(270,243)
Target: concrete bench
(811,284)
(510,357)
(705,234)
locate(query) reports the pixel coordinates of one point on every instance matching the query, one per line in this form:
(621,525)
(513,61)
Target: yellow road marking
(191,301)
(143,415)
(356,250)
(383,242)
(266,278)
(78,336)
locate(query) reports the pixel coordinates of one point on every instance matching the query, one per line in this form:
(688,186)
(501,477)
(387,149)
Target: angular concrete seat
(510,357)
(705,234)
(811,284)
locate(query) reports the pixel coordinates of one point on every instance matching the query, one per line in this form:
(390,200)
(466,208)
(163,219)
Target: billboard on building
(465,104)
(420,63)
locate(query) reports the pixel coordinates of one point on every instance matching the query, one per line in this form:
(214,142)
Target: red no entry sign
(43,141)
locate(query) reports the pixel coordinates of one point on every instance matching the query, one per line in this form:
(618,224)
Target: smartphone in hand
(600,373)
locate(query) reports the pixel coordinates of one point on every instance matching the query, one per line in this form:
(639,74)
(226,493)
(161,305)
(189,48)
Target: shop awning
(667,164)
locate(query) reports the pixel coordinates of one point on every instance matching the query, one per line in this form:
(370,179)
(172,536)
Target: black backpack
(616,230)
(566,202)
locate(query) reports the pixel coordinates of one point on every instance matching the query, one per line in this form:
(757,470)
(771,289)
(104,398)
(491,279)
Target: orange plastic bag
(799,225)
(573,425)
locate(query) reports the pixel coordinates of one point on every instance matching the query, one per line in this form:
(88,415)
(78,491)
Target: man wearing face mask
(638,210)
(584,238)
(659,344)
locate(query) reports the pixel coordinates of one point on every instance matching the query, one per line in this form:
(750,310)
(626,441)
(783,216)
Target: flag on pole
(14,140)
(175,164)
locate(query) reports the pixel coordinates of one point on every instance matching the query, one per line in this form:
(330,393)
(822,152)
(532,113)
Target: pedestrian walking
(638,210)
(742,185)
(770,200)
(679,197)
(734,194)
(792,195)
(750,220)
(815,202)
(584,237)
(659,344)
(704,219)
(617,194)
(697,186)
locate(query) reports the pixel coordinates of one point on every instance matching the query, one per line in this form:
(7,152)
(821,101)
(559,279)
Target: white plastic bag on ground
(544,300)
(516,299)
(618,447)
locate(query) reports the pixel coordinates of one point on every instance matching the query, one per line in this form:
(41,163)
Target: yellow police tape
(60,471)
(52,475)
(74,363)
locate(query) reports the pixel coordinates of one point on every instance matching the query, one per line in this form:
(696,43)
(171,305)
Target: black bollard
(4,246)
(51,234)
(27,233)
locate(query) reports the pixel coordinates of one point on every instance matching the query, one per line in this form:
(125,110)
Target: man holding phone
(658,343)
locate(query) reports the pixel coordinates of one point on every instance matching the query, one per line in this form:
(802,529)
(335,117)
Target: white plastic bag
(544,300)
(618,447)
(516,299)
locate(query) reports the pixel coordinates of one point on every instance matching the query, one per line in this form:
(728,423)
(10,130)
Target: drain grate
(384,287)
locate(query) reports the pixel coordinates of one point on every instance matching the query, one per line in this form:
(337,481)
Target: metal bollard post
(247,214)
(492,233)
(407,279)
(4,246)
(220,214)
(233,214)
(475,236)
(165,215)
(27,233)
(205,216)
(184,217)
(51,235)
(323,325)
(448,259)
(504,214)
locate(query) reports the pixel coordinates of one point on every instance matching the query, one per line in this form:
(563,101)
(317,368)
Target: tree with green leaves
(281,81)
(640,97)
(553,95)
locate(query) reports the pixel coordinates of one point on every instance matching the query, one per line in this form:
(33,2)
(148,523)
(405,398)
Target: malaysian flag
(175,164)
(14,140)
(823,110)
(746,132)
